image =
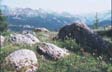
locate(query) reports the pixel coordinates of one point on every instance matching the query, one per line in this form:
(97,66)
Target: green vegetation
(3,24)
(69,44)
(77,61)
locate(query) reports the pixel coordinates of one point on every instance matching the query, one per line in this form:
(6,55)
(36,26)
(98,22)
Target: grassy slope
(78,61)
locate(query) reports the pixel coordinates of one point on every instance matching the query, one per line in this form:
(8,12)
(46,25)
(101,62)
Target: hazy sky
(72,6)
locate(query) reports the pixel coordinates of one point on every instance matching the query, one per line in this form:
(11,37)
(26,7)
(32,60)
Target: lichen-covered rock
(86,37)
(52,50)
(24,39)
(2,39)
(22,60)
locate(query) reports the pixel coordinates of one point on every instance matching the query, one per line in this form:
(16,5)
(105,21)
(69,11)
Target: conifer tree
(96,23)
(3,24)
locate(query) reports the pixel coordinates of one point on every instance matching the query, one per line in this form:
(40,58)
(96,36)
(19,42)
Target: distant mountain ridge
(27,17)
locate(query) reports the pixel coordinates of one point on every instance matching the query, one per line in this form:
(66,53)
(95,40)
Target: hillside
(77,61)
(55,36)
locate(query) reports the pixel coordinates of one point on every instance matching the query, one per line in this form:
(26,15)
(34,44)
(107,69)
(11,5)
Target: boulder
(86,37)
(52,51)
(22,60)
(2,39)
(41,30)
(24,39)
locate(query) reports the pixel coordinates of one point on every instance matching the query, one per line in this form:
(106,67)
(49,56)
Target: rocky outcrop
(74,30)
(52,51)
(23,60)
(86,37)
(2,39)
(41,30)
(26,38)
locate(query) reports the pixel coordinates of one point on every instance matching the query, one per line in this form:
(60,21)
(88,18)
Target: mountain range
(20,18)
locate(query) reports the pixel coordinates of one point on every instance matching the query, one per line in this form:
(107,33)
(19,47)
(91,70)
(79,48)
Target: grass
(75,62)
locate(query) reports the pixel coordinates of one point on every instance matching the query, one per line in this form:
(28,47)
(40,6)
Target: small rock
(23,59)
(41,30)
(52,50)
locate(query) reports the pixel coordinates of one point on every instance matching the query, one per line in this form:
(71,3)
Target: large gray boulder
(24,39)
(86,37)
(52,51)
(22,60)
(2,39)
